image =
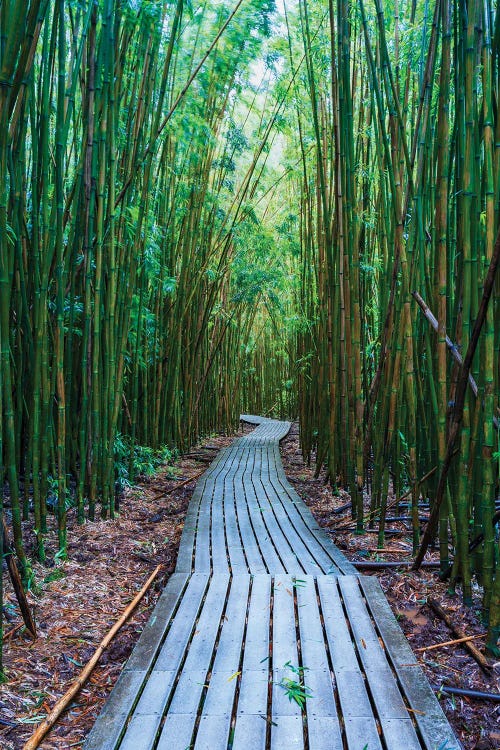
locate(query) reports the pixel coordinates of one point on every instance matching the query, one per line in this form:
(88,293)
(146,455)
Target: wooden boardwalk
(263,604)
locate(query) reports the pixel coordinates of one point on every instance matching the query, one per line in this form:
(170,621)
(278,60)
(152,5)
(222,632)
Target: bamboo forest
(287,208)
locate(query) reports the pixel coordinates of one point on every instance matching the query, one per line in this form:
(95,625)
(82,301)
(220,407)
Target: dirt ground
(80,599)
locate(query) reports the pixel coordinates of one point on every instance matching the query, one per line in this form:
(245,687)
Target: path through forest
(265,636)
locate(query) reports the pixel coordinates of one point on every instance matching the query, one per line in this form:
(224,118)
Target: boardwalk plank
(250,732)
(110,725)
(152,636)
(287,732)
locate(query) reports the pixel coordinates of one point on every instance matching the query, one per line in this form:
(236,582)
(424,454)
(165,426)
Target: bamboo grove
(396,112)
(179,242)
(126,297)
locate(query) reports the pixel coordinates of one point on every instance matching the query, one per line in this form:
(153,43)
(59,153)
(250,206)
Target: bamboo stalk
(454,642)
(456,630)
(459,400)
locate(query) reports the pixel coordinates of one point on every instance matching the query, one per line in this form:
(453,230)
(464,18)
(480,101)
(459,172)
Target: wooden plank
(219,699)
(287,732)
(254,688)
(111,722)
(310,529)
(266,546)
(193,677)
(156,693)
(324,730)
(284,649)
(186,548)
(141,732)
(189,532)
(314,655)
(359,723)
(361,732)
(219,522)
(235,547)
(257,635)
(254,685)
(173,649)
(218,551)
(340,645)
(147,717)
(203,640)
(255,562)
(188,691)
(202,542)
(264,509)
(213,732)
(431,722)
(324,733)
(383,686)
(322,549)
(305,559)
(251,709)
(283,511)
(149,643)
(250,732)
(228,656)
(177,732)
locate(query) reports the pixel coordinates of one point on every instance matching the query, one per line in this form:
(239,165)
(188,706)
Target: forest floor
(78,600)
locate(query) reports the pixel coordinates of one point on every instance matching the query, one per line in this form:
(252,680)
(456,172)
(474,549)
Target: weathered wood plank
(250,732)
(255,560)
(111,722)
(322,721)
(255,513)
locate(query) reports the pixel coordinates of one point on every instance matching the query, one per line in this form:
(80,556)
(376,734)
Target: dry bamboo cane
(77,685)
(454,642)
(456,630)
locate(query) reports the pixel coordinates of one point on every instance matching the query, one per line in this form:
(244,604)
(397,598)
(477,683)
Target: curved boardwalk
(263,604)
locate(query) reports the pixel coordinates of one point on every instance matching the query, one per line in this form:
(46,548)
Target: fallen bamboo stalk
(472,546)
(17,583)
(161,493)
(13,630)
(80,681)
(387,550)
(381,564)
(390,505)
(456,630)
(451,690)
(453,642)
(449,343)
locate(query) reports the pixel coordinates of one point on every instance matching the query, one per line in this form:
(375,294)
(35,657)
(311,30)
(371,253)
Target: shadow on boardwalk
(265,636)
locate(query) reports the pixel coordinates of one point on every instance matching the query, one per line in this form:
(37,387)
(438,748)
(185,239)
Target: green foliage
(295,689)
(135,461)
